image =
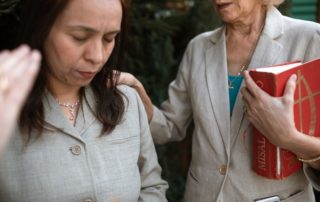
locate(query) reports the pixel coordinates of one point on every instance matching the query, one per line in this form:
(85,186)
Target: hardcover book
(269,160)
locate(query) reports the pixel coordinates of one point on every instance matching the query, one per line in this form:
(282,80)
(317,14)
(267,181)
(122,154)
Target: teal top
(234,87)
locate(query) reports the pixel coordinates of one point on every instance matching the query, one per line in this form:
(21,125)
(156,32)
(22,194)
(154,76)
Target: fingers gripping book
(269,160)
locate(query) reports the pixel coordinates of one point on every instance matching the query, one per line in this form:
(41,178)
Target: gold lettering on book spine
(310,96)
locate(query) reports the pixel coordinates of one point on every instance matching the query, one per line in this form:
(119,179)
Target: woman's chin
(228,19)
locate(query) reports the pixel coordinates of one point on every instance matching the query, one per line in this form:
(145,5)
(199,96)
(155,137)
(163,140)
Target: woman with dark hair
(75,140)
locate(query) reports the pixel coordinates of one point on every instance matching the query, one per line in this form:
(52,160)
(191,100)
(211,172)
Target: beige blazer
(220,168)
(73,164)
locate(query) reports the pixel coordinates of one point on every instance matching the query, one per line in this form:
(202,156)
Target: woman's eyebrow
(89,29)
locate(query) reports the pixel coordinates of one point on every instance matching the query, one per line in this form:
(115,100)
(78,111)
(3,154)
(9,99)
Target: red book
(269,160)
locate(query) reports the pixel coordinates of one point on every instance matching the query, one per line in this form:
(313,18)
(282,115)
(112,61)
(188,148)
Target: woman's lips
(87,75)
(223,6)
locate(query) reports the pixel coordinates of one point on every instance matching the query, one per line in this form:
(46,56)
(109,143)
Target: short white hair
(272,2)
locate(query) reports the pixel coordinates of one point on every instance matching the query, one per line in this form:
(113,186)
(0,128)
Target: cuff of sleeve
(155,126)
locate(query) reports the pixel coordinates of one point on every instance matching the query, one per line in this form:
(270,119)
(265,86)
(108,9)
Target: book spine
(281,163)
(265,161)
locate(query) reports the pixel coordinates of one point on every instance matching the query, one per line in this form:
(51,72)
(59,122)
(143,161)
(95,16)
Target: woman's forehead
(96,14)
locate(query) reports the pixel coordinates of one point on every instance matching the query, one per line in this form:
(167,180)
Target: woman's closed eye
(79,38)
(110,38)
(85,38)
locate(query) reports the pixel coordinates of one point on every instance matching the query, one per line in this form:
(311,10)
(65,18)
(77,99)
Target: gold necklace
(245,66)
(72,107)
(231,82)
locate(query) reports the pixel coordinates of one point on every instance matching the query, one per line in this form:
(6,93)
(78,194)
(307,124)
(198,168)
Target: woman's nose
(95,52)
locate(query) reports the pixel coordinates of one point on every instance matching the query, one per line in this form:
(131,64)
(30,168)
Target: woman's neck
(249,25)
(63,93)
(66,96)
(241,40)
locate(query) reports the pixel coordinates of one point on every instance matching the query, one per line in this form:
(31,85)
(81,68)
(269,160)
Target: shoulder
(207,36)
(303,34)
(125,89)
(278,26)
(300,26)
(130,95)
(293,26)
(135,110)
(205,40)
(298,37)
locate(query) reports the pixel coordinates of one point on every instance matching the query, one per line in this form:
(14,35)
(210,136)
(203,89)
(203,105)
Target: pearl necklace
(72,107)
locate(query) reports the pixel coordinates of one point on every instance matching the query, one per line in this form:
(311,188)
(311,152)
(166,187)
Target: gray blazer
(73,164)
(220,168)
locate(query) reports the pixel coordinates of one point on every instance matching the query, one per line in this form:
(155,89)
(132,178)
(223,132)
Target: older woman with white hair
(206,90)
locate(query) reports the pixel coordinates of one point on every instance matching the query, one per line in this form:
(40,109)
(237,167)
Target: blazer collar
(274,23)
(86,116)
(217,34)
(55,120)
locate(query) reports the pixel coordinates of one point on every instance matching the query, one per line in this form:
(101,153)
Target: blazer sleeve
(153,188)
(170,123)
(312,52)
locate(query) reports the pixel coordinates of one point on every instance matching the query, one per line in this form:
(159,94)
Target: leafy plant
(7,6)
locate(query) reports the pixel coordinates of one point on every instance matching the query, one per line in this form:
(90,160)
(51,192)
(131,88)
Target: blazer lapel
(216,78)
(57,121)
(54,118)
(86,116)
(267,52)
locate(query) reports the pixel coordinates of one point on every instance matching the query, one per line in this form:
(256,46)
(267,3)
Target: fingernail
(23,49)
(294,77)
(35,55)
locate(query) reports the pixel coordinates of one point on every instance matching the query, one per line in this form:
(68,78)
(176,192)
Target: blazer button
(223,169)
(75,150)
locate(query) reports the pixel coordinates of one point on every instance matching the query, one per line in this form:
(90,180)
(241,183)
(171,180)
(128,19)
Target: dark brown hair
(37,19)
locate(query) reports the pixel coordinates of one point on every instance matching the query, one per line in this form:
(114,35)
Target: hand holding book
(285,118)
(272,116)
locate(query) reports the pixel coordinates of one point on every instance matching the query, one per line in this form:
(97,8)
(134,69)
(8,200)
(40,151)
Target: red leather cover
(269,160)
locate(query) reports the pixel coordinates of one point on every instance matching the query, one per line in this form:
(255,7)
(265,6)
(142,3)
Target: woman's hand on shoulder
(130,80)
